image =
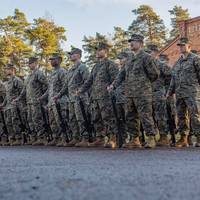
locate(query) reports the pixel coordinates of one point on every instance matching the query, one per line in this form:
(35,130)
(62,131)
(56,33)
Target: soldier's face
(55,62)
(184,48)
(75,57)
(32,66)
(101,53)
(135,45)
(9,72)
(122,61)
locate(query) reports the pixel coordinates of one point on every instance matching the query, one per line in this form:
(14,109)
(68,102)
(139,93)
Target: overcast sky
(86,17)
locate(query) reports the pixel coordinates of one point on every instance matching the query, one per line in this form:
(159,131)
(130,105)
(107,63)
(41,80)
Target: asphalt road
(40,173)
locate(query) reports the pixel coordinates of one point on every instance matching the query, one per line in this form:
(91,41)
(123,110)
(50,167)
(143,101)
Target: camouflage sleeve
(63,77)
(171,89)
(88,83)
(45,95)
(197,66)
(85,73)
(23,93)
(2,90)
(19,84)
(43,80)
(120,78)
(113,71)
(167,72)
(151,68)
(4,102)
(64,89)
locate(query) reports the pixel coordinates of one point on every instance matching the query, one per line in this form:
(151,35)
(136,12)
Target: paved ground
(28,173)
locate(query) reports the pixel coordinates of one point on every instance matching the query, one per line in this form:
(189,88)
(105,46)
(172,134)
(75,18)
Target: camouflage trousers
(188,113)
(1,124)
(55,120)
(35,120)
(139,110)
(171,114)
(121,114)
(76,120)
(160,114)
(103,117)
(12,122)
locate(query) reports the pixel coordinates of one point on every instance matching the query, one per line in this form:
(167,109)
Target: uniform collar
(75,65)
(186,58)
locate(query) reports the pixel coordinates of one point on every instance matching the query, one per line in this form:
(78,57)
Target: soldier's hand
(55,98)
(39,99)
(15,100)
(167,95)
(110,88)
(78,92)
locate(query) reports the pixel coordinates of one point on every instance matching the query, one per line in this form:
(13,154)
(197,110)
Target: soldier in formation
(111,105)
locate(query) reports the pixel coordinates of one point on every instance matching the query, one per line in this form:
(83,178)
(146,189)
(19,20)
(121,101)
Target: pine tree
(149,23)
(177,14)
(13,43)
(46,38)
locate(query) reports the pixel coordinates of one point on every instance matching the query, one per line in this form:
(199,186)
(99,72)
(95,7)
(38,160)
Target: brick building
(189,28)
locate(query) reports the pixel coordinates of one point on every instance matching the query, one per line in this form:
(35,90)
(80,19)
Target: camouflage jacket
(56,82)
(159,86)
(186,72)
(119,91)
(102,75)
(35,86)
(76,77)
(2,92)
(13,88)
(139,73)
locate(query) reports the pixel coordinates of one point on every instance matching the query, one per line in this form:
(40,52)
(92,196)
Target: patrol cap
(55,56)
(163,57)
(147,50)
(32,60)
(194,51)
(75,51)
(10,66)
(122,55)
(183,41)
(152,47)
(136,37)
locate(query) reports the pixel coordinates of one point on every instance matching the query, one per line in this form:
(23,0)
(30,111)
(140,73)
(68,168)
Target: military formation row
(115,105)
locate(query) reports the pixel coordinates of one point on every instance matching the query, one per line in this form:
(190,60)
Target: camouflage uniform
(35,86)
(185,85)
(13,88)
(56,82)
(2,96)
(159,99)
(102,75)
(138,74)
(120,92)
(76,77)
